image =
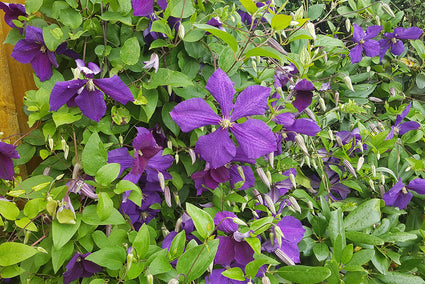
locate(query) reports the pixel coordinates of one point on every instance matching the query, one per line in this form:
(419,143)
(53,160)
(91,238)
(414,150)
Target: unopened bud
(257,195)
(336,98)
(59,177)
(348,83)
(283,33)
(348,25)
(76,170)
(294,204)
(265,280)
(243,205)
(263,177)
(339,141)
(210,267)
(310,114)
(27,235)
(360,145)
(270,204)
(378,20)
(241,173)
(178,224)
(46,171)
(331,134)
(173,281)
(313,162)
(169,90)
(271,159)
(40,249)
(130,258)
(284,257)
(164,231)
(292,179)
(375,100)
(322,104)
(167,196)
(349,167)
(170,144)
(76,73)
(311,30)
(280,92)
(300,141)
(181,31)
(254,213)
(254,65)
(307,161)
(51,143)
(387,9)
(269,176)
(161,180)
(121,139)
(392,91)
(279,235)
(381,126)
(149,278)
(177,198)
(275,45)
(381,190)
(310,205)
(192,155)
(325,57)
(373,169)
(378,156)
(63,144)
(408,169)
(382,179)
(177,158)
(239,221)
(360,163)
(368,69)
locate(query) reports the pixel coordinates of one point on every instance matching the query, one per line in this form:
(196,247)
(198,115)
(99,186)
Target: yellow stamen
(226,123)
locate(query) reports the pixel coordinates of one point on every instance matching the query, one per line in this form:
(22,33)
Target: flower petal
(42,66)
(62,92)
(224,221)
(122,157)
(407,126)
(91,103)
(194,113)
(358,33)
(251,101)
(220,86)
(390,197)
(254,138)
(115,88)
(25,51)
(286,119)
(372,32)
(216,148)
(236,177)
(243,253)
(145,142)
(304,126)
(356,54)
(418,185)
(6,167)
(397,48)
(160,162)
(142,7)
(225,252)
(384,45)
(409,33)
(371,48)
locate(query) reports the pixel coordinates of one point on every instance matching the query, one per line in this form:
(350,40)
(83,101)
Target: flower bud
(257,195)
(170,144)
(348,83)
(254,65)
(360,145)
(313,162)
(265,280)
(66,152)
(294,204)
(310,114)
(311,29)
(167,196)
(339,141)
(378,20)
(284,257)
(271,159)
(392,91)
(280,92)
(279,235)
(300,141)
(275,45)
(371,184)
(164,230)
(349,167)
(368,69)
(241,173)
(239,221)
(373,169)
(63,144)
(169,90)
(292,179)
(307,161)
(263,177)
(46,171)
(375,100)
(322,104)
(381,190)
(149,278)
(41,249)
(387,9)
(177,198)
(177,158)
(382,179)
(121,139)
(192,155)
(348,25)
(161,180)
(269,176)
(51,143)
(173,281)
(331,134)
(305,57)
(336,98)
(27,235)
(270,204)
(408,169)
(181,31)
(360,163)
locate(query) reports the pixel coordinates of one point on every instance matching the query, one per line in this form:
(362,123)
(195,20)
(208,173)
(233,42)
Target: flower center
(226,123)
(43,49)
(90,85)
(140,153)
(404,190)
(393,40)
(361,41)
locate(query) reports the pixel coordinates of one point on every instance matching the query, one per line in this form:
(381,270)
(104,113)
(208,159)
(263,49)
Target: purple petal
(251,101)
(286,119)
(395,196)
(216,277)
(91,268)
(372,32)
(62,92)
(224,221)
(254,138)
(6,167)
(220,86)
(160,162)
(409,33)
(194,113)
(358,33)
(25,51)
(142,7)
(292,229)
(220,174)
(122,157)
(397,48)
(302,100)
(162,4)
(243,253)
(226,251)
(91,104)
(42,66)
(384,45)
(115,88)
(304,126)
(356,54)
(34,34)
(9,150)
(403,114)
(407,126)
(166,243)
(12,12)
(418,185)
(145,141)
(216,148)
(371,48)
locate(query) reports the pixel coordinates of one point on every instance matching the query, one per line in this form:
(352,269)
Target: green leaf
(254,243)
(203,221)
(304,274)
(26,153)
(159,265)
(420,80)
(328,41)
(110,257)
(361,257)
(181,8)
(141,241)
(11,253)
(53,36)
(71,18)
(104,206)
(62,233)
(11,271)
(126,185)
(162,26)
(177,246)
(315,11)
(362,238)
(347,253)
(261,225)
(279,22)
(234,273)
(194,262)
(94,155)
(166,118)
(60,255)
(27,224)
(9,210)
(250,6)
(120,115)
(224,36)
(71,115)
(321,251)
(251,269)
(419,47)
(398,237)
(130,51)
(263,51)
(168,77)
(90,217)
(66,216)
(399,278)
(107,174)
(32,6)
(365,215)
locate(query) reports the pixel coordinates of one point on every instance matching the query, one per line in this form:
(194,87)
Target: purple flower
(284,74)
(224,222)
(291,126)
(293,233)
(303,94)
(398,196)
(32,49)
(401,128)
(79,186)
(145,7)
(78,267)
(234,250)
(365,42)
(215,22)
(210,178)
(7,153)
(145,148)
(143,214)
(254,136)
(84,94)
(393,40)
(12,12)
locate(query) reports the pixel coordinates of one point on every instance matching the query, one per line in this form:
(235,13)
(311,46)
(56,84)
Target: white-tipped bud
(305,57)
(271,159)
(300,141)
(371,184)
(164,230)
(292,179)
(269,176)
(177,198)
(378,156)
(347,81)
(322,104)
(307,161)
(177,158)
(349,167)
(331,134)
(167,196)
(360,145)
(239,221)
(263,177)
(378,20)
(170,144)
(325,57)
(130,259)
(310,114)
(280,92)
(348,25)
(254,213)
(265,280)
(161,180)
(63,144)
(149,278)
(313,162)
(192,155)
(294,204)
(270,204)
(339,141)
(408,169)
(368,69)
(254,65)
(336,98)
(392,91)
(311,29)
(51,143)
(40,249)
(284,257)
(257,195)
(66,152)
(360,163)
(178,225)
(241,173)
(310,205)
(279,235)
(375,100)
(387,9)
(121,139)
(173,281)
(373,169)
(59,177)
(382,179)
(181,31)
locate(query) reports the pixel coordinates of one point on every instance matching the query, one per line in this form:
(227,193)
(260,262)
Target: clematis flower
(291,126)
(7,153)
(393,40)
(152,63)
(145,7)
(12,12)
(210,178)
(84,94)
(254,136)
(32,49)
(365,42)
(78,267)
(143,214)
(398,196)
(401,128)
(303,94)
(215,22)
(293,233)
(284,74)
